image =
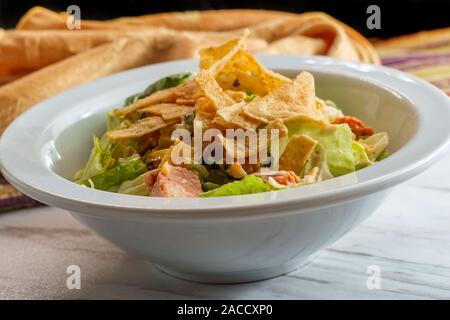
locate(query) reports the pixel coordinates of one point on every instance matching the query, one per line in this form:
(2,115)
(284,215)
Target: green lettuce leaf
(336,139)
(375,144)
(207,186)
(249,96)
(360,155)
(249,184)
(318,159)
(383,155)
(99,160)
(135,187)
(164,83)
(211,178)
(127,169)
(201,171)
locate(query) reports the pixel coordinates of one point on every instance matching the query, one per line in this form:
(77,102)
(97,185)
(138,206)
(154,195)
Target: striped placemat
(12,199)
(425,55)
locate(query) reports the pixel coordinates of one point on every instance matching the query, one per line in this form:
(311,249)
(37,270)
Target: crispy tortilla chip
(203,105)
(297,152)
(236,69)
(241,71)
(210,56)
(139,129)
(218,121)
(211,89)
(293,100)
(233,116)
(237,96)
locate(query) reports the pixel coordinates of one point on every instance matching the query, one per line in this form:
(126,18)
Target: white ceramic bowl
(230,239)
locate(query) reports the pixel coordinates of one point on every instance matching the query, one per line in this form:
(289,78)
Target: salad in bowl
(233,128)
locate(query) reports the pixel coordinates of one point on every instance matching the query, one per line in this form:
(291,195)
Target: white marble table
(408,238)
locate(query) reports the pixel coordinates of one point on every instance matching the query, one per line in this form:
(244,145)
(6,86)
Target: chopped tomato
(358,127)
(285,178)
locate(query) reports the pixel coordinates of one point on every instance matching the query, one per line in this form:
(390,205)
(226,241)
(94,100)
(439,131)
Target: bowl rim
(26,168)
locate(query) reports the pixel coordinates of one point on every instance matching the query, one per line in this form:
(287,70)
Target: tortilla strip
(139,129)
(185,102)
(297,152)
(168,111)
(176,114)
(235,116)
(211,89)
(162,96)
(293,100)
(187,90)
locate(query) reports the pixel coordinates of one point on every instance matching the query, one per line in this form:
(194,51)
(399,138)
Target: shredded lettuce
(207,186)
(127,169)
(248,185)
(331,111)
(318,160)
(135,187)
(99,161)
(375,144)
(218,176)
(360,155)
(210,178)
(201,171)
(336,139)
(383,155)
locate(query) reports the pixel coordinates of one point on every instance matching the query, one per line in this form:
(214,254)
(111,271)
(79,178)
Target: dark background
(397,17)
